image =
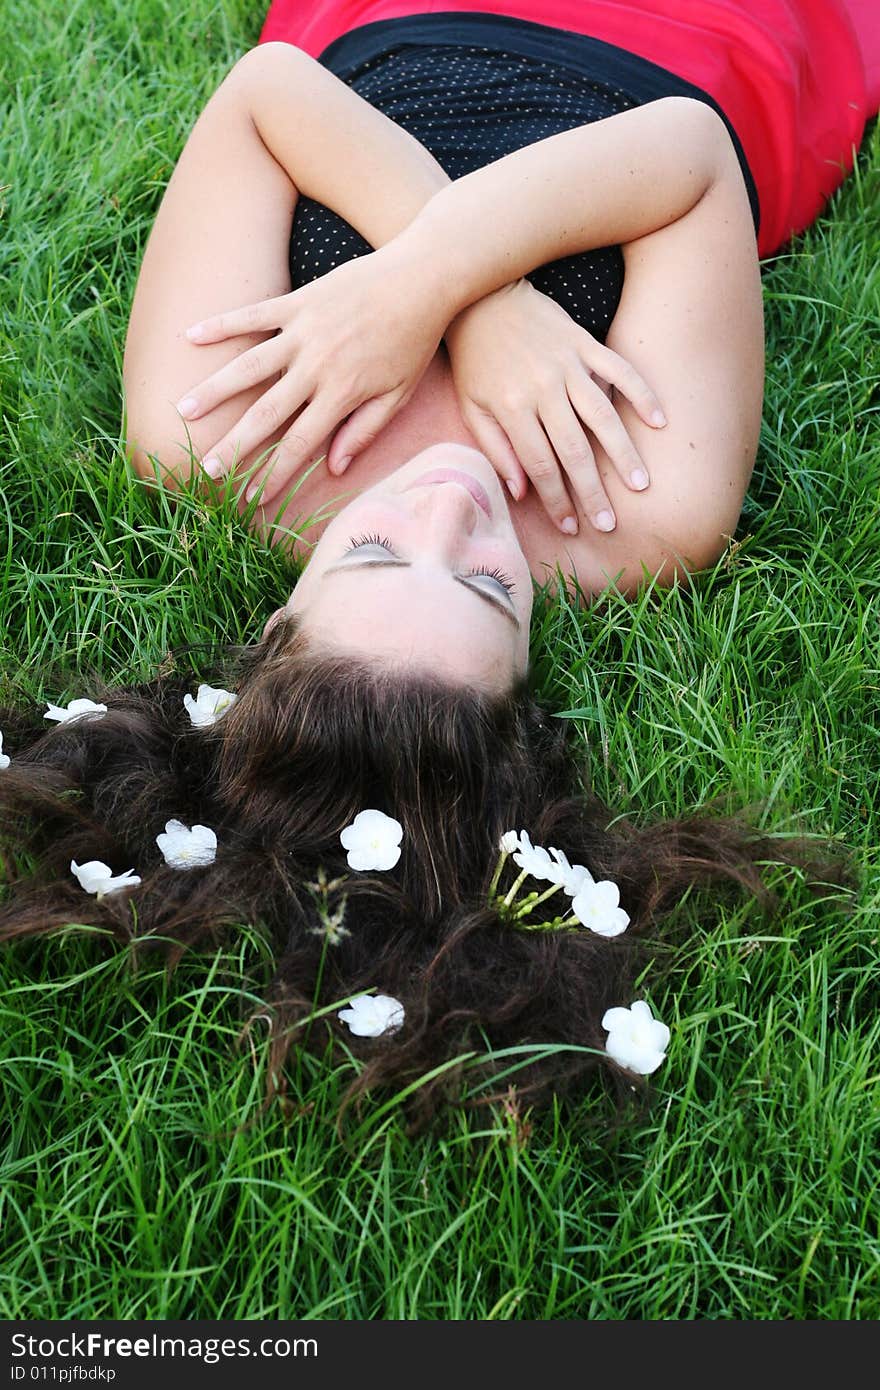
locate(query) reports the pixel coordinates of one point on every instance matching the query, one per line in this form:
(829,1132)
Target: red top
(796,78)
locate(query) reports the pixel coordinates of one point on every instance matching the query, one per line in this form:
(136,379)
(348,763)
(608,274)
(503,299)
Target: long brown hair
(312,739)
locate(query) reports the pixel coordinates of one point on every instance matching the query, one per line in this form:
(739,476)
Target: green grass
(140,1178)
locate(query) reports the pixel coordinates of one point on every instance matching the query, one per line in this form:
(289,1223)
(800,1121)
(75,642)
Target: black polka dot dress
(470,106)
(470,103)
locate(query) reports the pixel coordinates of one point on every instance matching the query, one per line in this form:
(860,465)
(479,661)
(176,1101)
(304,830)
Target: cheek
(525,594)
(328,548)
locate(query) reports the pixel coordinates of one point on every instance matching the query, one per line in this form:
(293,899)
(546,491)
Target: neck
(431,415)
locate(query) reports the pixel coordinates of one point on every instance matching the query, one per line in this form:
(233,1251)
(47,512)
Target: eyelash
(503,579)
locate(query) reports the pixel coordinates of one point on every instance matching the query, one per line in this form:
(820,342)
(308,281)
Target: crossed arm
(662,180)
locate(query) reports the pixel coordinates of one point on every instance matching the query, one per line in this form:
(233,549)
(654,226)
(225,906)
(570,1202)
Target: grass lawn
(138,1178)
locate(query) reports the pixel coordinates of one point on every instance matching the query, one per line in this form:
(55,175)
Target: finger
(603,385)
(599,415)
(278,475)
(251,318)
(498,449)
(624,377)
(357,432)
(243,373)
(298,447)
(262,421)
(572,448)
(283,462)
(535,453)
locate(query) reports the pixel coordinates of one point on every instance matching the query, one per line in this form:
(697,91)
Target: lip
(454,475)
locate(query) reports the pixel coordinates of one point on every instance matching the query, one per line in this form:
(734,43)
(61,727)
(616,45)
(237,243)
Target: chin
(462,456)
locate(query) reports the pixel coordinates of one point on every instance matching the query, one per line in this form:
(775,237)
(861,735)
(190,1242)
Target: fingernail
(213,466)
(195,332)
(343,464)
(604,521)
(511,488)
(187,407)
(639,478)
(658,418)
(569,526)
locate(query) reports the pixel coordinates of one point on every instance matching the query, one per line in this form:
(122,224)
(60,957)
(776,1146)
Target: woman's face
(425,573)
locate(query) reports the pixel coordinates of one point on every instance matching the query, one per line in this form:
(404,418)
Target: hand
(357,339)
(530,385)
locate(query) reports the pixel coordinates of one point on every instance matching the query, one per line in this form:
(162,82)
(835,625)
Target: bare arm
(277,125)
(334,146)
(611,182)
(281,125)
(664,180)
(691,320)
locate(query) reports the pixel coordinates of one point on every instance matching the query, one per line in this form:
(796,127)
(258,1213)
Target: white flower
(578,878)
(4,758)
(77,709)
(535,860)
(208,705)
(372,840)
(551,865)
(596,906)
(570,877)
(97,878)
(562,865)
(636,1039)
(371,1015)
(185,848)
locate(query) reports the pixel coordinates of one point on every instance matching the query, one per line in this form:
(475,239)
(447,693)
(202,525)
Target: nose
(449,511)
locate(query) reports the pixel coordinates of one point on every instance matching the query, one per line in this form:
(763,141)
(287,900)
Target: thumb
(360,429)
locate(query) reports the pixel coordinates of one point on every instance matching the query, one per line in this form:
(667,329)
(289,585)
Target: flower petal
(642,1061)
(369,1015)
(613,1019)
(185,848)
(636,1040)
(592,908)
(97,877)
(614,923)
(77,709)
(92,874)
(535,861)
(208,706)
(127,880)
(579,879)
(607,893)
(660,1035)
(620,1049)
(648,1060)
(392,1011)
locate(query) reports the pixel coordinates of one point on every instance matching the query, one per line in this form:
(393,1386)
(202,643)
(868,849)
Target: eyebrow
(497,603)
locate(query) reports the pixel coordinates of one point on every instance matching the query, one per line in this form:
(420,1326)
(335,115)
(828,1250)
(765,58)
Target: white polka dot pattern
(470,105)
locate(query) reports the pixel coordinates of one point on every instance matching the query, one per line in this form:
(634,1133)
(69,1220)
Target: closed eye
(383,543)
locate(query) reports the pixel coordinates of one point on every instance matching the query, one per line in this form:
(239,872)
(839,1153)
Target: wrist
(424,267)
(467,255)
(492,306)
